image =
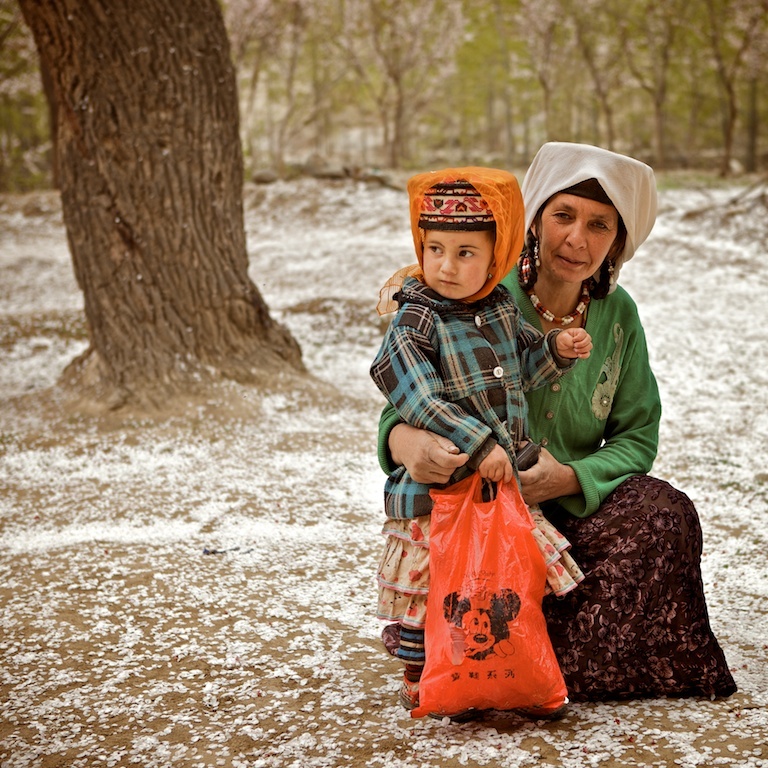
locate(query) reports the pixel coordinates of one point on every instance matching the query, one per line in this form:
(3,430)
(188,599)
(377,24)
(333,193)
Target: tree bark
(151,176)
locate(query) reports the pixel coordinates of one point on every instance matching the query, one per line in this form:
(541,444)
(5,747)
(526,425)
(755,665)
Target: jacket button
(478,320)
(498,371)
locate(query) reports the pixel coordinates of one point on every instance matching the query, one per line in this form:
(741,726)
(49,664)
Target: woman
(637,625)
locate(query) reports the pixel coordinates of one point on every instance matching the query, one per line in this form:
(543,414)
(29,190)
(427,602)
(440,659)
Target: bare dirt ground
(196,590)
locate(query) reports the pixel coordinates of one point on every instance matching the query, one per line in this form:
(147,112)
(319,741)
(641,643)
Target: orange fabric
(502,193)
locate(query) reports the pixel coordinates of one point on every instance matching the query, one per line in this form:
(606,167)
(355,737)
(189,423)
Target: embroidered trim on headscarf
(455,206)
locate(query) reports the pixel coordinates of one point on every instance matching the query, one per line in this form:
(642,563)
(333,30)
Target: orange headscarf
(500,191)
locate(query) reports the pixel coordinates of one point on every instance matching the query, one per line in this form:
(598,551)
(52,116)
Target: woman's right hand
(548,479)
(429,458)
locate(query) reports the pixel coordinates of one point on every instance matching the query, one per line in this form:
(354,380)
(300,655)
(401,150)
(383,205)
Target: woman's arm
(429,458)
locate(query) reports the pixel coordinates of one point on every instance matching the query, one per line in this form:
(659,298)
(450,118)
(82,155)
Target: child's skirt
(403,574)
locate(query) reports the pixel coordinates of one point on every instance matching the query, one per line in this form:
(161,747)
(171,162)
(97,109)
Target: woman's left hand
(548,479)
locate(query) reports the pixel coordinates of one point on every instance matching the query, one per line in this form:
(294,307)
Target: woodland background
(192,585)
(337,86)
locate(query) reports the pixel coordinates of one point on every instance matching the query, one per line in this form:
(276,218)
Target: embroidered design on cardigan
(608,380)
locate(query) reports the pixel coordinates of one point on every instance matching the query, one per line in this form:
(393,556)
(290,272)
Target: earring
(525,267)
(490,275)
(536,259)
(611,270)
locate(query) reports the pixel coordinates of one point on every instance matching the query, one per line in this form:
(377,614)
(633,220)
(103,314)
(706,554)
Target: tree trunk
(753,126)
(50,99)
(659,138)
(730,115)
(151,178)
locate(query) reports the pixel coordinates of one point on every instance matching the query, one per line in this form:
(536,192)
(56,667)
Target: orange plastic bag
(486,639)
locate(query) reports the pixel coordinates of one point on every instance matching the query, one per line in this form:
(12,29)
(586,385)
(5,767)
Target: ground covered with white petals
(197,590)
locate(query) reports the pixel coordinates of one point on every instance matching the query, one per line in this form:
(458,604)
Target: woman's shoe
(542,713)
(465,716)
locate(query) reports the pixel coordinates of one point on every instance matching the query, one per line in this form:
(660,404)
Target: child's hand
(496,466)
(573,342)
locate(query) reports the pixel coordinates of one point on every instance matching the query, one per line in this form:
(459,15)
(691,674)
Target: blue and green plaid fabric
(460,370)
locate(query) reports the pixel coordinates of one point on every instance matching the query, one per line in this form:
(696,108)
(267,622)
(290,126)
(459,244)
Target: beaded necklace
(581,307)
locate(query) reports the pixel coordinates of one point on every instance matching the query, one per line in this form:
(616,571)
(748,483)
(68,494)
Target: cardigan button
(550,414)
(555,387)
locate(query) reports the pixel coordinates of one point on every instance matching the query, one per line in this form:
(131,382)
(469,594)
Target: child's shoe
(409,694)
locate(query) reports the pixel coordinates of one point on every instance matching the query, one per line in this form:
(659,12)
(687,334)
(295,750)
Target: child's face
(456,264)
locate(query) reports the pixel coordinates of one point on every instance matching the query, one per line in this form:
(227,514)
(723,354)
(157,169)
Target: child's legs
(411,651)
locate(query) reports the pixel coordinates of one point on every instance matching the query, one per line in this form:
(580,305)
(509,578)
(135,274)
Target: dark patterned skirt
(638,624)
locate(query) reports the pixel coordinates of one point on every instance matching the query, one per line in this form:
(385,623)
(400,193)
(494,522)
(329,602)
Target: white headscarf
(629,184)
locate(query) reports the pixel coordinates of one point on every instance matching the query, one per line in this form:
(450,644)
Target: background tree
(349,84)
(151,186)
(734,29)
(551,53)
(594,25)
(255,28)
(400,53)
(24,134)
(648,31)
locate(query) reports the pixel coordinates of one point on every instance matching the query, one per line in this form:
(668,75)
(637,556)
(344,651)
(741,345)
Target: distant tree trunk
(50,99)
(659,132)
(730,115)
(151,175)
(753,121)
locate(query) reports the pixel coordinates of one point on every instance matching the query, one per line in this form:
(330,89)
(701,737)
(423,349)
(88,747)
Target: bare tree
(550,49)
(600,49)
(401,54)
(254,28)
(19,87)
(755,74)
(648,32)
(734,27)
(151,181)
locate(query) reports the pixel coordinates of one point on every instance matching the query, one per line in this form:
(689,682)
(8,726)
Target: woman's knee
(665,514)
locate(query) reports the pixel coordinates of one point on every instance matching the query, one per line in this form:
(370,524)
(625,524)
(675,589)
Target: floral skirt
(403,574)
(638,623)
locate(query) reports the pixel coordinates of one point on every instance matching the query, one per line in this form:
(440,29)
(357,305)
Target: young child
(457,359)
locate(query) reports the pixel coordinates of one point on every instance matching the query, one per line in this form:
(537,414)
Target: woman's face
(576,235)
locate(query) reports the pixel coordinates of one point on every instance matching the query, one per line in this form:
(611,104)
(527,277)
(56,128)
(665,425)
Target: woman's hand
(548,479)
(430,458)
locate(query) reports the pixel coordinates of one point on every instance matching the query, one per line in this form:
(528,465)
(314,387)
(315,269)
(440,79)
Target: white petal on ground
(123,643)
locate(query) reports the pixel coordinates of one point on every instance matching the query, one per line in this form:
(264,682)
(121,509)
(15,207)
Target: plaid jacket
(460,370)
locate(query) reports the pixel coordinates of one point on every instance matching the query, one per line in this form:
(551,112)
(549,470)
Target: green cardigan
(601,418)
